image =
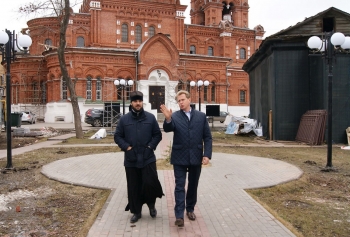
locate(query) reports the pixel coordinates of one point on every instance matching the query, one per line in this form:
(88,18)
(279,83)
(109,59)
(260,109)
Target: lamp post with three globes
(122,83)
(329,46)
(199,84)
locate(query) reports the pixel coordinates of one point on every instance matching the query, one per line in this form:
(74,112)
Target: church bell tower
(212,12)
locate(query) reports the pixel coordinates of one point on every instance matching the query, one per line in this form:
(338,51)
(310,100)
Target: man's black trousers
(143,187)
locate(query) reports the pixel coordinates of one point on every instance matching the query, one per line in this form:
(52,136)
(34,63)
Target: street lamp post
(329,46)
(122,83)
(9,45)
(1,113)
(200,83)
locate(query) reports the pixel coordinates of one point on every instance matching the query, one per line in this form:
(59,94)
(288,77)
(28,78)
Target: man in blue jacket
(138,134)
(192,147)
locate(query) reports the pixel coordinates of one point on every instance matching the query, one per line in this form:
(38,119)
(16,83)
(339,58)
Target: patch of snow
(20,194)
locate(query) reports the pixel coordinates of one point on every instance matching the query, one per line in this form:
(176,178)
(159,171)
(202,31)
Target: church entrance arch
(157,86)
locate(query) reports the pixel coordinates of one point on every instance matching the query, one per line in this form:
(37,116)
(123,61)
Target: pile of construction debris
(240,125)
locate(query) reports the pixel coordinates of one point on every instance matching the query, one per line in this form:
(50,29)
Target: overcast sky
(273,15)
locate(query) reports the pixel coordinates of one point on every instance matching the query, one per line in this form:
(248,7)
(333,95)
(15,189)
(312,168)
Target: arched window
(35,86)
(205,93)
(138,36)
(180,85)
(80,41)
(188,86)
(128,89)
(88,88)
(213,91)
(151,31)
(15,93)
(125,33)
(64,89)
(119,93)
(210,51)
(98,89)
(242,54)
(48,42)
(43,92)
(242,96)
(35,90)
(192,49)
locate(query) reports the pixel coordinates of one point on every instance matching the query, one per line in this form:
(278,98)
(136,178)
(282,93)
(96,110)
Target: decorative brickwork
(102,45)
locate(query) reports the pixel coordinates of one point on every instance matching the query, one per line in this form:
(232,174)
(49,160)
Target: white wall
(63,112)
(233,110)
(239,110)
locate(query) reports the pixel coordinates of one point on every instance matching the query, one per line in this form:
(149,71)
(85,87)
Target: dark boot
(179,222)
(153,212)
(135,218)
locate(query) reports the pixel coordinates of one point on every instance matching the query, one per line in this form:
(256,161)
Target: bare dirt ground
(18,142)
(318,204)
(33,205)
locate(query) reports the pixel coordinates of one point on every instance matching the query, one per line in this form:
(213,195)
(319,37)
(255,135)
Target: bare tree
(61,9)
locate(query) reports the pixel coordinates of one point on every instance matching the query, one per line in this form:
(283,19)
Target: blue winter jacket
(192,138)
(141,132)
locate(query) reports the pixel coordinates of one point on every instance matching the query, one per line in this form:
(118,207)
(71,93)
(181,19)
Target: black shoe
(153,212)
(135,218)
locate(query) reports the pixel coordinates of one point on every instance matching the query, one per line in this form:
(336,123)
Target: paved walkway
(223,207)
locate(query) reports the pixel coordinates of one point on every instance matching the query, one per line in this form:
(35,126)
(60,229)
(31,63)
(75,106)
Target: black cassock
(143,187)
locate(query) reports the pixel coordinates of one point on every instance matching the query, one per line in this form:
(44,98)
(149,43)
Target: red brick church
(147,42)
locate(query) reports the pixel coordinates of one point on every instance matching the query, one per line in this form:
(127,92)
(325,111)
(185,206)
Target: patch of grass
(162,164)
(44,156)
(221,137)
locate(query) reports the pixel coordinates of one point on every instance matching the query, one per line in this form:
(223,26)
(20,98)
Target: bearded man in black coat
(138,134)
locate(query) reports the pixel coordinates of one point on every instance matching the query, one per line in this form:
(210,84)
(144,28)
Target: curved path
(223,207)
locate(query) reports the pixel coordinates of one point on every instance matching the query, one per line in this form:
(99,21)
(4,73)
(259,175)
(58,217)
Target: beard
(137,109)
